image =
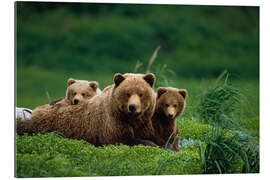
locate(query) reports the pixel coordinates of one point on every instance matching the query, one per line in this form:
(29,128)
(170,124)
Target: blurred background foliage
(196,41)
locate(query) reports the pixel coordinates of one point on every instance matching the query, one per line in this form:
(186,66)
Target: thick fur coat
(120,114)
(170,103)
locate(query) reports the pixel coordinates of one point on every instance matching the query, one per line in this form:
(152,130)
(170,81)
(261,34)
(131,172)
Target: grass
(55,82)
(218,152)
(51,156)
(218,104)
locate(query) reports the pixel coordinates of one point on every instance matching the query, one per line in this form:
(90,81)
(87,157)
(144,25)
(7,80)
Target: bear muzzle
(171,112)
(132,108)
(170,116)
(134,105)
(76,101)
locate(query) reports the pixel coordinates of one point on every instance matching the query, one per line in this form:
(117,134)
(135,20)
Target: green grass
(54,82)
(49,155)
(33,83)
(52,156)
(219,103)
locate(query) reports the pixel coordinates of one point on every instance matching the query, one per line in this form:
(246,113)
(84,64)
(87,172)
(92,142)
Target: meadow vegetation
(212,51)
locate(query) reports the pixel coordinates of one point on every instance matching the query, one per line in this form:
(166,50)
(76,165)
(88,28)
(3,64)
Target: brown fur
(78,91)
(170,104)
(106,118)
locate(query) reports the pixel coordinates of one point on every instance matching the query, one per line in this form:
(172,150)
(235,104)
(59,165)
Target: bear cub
(79,90)
(170,103)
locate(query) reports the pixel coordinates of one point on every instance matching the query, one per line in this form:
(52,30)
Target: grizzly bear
(120,114)
(78,91)
(170,103)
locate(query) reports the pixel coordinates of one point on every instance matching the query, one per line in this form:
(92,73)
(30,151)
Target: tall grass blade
(137,66)
(152,59)
(221,76)
(219,169)
(48,96)
(166,145)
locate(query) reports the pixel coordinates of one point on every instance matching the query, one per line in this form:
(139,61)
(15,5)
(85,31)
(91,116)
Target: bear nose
(170,116)
(132,107)
(76,101)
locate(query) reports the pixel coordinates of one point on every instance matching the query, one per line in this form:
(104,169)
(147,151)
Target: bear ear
(150,79)
(160,91)
(71,81)
(93,84)
(183,92)
(118,78)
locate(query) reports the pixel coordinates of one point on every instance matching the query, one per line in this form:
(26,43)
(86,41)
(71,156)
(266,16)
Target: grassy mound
(49,155)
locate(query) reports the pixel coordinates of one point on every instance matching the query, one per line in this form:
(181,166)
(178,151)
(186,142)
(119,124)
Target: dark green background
(196,41)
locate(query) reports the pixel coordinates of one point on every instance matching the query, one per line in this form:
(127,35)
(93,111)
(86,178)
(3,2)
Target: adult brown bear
(120,114)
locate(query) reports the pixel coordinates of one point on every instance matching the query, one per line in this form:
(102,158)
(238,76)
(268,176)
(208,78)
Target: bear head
(170,102)
(133,94)
(80,90)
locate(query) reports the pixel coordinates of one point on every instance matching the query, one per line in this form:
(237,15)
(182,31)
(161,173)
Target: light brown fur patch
(79,91)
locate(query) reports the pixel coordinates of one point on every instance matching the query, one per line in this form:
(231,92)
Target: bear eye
(167,105)
(175,105)
(74,93)
(128,94)
(140,94)
(83,94)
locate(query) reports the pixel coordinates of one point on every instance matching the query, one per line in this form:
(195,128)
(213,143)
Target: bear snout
(76,101)
(171,112)
(134,104)
(170,116)
(132,108)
